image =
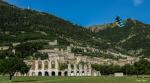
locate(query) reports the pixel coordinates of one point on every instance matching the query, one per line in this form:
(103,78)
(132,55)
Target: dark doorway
(66,73)
(82,72)
(59,73)
(46,74)
(53,73)
(39,73)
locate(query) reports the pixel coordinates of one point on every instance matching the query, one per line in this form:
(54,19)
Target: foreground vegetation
(141,67)
(75,80)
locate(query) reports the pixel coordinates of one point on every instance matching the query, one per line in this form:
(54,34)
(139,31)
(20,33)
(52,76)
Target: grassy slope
(75,80)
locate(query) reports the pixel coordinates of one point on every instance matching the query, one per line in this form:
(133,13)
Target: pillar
(69,69)
(42,70)
(80,70)
(50,65)
(56,64)
(85,70)
(75,69)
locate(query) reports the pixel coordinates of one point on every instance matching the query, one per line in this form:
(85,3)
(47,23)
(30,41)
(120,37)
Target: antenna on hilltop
(28,4)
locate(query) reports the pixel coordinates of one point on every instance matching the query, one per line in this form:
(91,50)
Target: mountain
(128,22)
(133,38)
(18,25)
(108,41)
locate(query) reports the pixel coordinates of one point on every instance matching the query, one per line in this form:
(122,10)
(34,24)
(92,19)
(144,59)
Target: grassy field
(74,80)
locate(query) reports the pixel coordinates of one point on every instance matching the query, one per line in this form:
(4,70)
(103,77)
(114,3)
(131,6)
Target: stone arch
(59,74)
(46,65)
(53,73)
(33,73)
(39,65)
(46,73)
(83,72)
(65,73)
(53,64)
(72,73)
(77,73)
(39,73)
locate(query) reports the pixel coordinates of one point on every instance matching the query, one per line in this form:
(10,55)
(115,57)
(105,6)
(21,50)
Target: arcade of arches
(51,68)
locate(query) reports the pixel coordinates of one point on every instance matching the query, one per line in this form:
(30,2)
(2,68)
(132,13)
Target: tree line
(142,67)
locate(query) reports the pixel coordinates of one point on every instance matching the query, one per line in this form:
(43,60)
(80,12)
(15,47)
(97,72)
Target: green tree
(63,66)
(12,65)
(128,69)
(142,67)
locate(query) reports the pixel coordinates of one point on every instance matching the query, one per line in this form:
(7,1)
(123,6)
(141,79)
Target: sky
(90,12)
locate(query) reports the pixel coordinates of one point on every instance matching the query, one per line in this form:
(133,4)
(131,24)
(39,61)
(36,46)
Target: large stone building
(52,65)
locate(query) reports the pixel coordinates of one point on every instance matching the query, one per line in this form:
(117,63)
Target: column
(85,70)
(42,70)
(80,70)
(75,69)
(69,69)
(36,68)
(56,64)
(90,70)
(36,65)
(50,65)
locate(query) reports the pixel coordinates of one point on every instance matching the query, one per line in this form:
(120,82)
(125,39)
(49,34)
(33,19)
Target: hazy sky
(91,12)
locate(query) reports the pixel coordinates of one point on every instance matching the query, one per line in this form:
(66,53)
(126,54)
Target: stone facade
(51,66)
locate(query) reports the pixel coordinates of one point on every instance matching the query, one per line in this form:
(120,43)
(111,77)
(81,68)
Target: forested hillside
(23,25)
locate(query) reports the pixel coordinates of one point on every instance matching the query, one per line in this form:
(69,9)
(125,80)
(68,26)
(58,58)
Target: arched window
(53,64)
(46,65)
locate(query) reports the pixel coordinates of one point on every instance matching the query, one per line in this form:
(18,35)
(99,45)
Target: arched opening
(46,74)
(72,73)
(66,73)
(33,73)
(78,73)
(39,73)
(53,64)
(46,65)
(39,65)
(59,73)
(53,73)
(83,73)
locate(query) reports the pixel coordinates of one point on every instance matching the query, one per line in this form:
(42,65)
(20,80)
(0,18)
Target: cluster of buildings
(75,65)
